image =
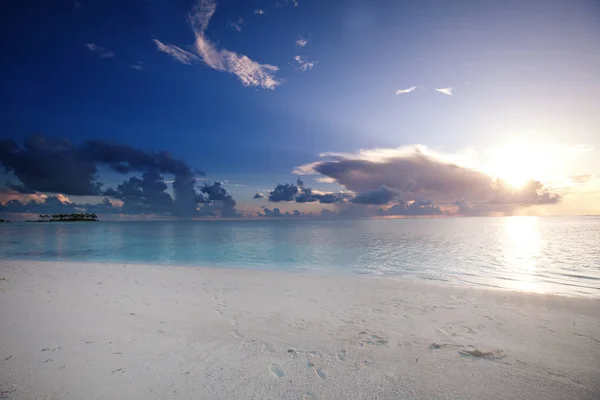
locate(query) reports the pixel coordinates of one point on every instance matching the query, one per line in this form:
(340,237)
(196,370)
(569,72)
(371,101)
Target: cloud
(331,198)
(381,195)
(307,195)
(305,65)
(300,194)
(143,196)
(301,42)
(407,90)
(283,3)
(276,212)
(7,194)
(49,165)
(259,11)
(21,189)
(50,205)
(57,166)
(419,207)
(220,201)
(580,178)
(267,212)
(447,90)
(237,26)
(178,54)
(531,193)
(283,192)
(100,51)
(248,71)
(137,66)
(258,196)
(416,173)
(58,205)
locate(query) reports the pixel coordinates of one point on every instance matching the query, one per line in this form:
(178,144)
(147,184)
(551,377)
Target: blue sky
(513,74)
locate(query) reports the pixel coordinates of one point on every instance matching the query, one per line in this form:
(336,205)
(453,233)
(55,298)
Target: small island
(4,221)
(78,217)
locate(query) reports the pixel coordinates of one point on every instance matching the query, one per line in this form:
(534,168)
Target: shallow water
(542,254)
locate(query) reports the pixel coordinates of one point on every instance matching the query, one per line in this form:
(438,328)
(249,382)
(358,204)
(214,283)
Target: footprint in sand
(276,370)
(341,355)
(483,354)
(364,338)
(321,373)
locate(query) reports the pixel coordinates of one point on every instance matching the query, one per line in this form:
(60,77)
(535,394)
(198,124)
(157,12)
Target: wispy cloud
(237,26)
(407,90)
(259,11)
(184,57)
(305,65)
(248,71)
(137,66)
(447,90)
(100,51)
(301,42)
(283,3)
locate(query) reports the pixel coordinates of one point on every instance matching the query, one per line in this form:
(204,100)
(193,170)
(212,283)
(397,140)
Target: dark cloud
(267,212)
(381,195)
(57,166)
(54,205)
(330,198)
(218,198)
(283,192)
(19,188)
(105,207)
(50,165)
(276,212)
(415,175)
(258,196)
(301,194)
(123,159)
(143,196)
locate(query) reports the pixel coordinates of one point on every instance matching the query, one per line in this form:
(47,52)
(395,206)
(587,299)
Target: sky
(299,108)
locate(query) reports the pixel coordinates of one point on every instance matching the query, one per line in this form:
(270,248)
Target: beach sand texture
(114,331)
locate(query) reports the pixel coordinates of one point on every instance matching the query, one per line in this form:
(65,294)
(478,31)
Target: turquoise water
(550,255)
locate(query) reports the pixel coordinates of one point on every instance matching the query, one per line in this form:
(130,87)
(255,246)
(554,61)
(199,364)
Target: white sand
(94,331)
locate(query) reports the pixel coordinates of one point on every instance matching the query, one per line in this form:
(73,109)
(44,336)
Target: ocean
(557,255)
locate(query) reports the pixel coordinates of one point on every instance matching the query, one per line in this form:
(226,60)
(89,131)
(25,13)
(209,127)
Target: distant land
(81,217)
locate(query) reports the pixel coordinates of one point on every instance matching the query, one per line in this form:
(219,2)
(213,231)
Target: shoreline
(101,330)
(329,273)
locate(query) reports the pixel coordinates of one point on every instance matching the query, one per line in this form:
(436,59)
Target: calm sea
(550,255)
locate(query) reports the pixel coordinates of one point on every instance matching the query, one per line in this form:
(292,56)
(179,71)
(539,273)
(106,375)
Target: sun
(514,175)
(517,164)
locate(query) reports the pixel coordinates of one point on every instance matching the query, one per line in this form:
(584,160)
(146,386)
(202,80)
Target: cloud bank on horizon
(413,174)
(51,165)
(409,180)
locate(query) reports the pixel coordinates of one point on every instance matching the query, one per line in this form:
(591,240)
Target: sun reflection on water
(521,251)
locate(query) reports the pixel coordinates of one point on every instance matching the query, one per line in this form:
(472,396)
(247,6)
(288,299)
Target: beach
(128,331)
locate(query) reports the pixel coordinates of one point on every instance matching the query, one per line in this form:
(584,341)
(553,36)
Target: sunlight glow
(518,162)
(515,164)
(521,251)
